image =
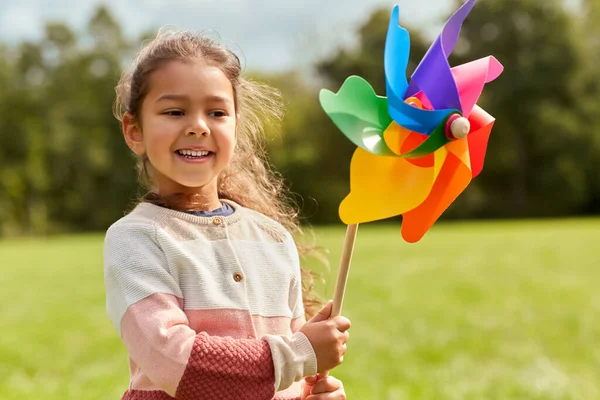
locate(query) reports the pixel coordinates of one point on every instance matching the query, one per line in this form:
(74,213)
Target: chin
(194,185)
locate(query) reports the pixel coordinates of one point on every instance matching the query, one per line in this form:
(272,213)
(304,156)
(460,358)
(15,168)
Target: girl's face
(187,127)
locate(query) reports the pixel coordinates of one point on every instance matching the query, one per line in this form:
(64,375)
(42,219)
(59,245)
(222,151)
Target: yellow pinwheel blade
(383,187)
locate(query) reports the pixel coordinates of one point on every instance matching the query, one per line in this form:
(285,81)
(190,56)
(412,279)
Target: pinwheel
(419,147)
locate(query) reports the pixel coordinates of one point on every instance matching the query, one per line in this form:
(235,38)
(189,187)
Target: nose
(198,127)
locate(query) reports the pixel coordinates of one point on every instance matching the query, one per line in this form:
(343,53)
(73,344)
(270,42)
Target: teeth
(193,153)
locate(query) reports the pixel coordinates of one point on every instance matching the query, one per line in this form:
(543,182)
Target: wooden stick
(342,278)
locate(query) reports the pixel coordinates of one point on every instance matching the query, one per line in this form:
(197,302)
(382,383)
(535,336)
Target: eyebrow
(176,97)
(182,97)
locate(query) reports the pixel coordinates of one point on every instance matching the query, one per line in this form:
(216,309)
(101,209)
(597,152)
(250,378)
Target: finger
(309,383)
(324,314)
(342,323)
(337,395)
(325,385)
(344,337)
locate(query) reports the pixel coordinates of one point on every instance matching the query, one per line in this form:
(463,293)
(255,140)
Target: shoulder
(134,238)
(136,223)
(145,220)
(135,265)
(134,257)
(268,226)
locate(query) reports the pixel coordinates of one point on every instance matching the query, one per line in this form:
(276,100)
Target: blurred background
(511,265)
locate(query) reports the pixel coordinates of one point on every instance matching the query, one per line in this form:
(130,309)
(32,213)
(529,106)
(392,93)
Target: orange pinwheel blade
(454,177)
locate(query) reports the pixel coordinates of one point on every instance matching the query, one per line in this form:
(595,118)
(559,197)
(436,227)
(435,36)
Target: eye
(217,114)
(175,113)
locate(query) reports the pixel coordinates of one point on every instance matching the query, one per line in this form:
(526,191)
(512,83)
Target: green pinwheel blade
(360,114)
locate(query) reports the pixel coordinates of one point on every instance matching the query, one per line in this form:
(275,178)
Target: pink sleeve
(191,366)
(297,323)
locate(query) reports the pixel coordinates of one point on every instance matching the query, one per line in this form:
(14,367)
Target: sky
(271,35)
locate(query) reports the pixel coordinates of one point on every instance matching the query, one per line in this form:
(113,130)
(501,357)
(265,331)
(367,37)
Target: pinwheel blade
(432,76)
(471,77)
(359,113)
(383,187)
(452,180)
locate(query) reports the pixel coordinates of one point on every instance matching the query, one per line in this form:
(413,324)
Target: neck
(186,201)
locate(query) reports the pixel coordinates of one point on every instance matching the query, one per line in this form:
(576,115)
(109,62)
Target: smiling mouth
(191,154)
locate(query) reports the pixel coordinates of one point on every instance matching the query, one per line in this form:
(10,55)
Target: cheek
(162,134)
(232,142)
(228,135)
(227,150)
(227,147)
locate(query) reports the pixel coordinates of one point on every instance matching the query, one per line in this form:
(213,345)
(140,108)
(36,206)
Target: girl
(203,278)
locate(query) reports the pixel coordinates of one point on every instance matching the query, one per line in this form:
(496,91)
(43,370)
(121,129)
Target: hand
(328,338)
(322,388)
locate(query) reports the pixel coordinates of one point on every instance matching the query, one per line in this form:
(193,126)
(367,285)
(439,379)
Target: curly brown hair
(249,179)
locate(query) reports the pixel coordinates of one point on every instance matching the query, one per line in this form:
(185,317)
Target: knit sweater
(207,307)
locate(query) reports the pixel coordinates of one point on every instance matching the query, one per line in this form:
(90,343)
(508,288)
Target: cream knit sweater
(207,307)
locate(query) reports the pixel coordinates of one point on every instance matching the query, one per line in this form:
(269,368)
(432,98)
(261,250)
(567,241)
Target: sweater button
(237,277)
(217,221)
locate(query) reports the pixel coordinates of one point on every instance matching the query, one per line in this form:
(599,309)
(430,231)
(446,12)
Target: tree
(588,32)
(534,162)
(64,165)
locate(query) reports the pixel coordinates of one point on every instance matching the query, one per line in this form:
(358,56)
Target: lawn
(485,310)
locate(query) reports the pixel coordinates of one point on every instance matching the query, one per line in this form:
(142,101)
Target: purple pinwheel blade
(433,75)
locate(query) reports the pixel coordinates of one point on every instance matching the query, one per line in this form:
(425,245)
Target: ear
(133,134)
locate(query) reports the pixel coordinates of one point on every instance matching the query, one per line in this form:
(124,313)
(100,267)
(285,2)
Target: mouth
(194,154)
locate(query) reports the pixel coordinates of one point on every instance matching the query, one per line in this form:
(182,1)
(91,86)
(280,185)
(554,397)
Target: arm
(144,303)
(156,333)
(301,346)
(314,387)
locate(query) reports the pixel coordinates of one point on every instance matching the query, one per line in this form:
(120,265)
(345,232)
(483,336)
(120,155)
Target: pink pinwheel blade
(481,127)
(471,77)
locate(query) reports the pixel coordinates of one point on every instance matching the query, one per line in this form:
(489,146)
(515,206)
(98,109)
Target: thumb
(324,314)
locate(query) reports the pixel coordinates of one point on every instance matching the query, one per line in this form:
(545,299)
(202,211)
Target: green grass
(501,310)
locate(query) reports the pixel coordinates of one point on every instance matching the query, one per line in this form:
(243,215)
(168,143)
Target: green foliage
(588,31)
(504,314)
(366,59)
(541,143)
(544,153)
(64,165)
(304,150)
